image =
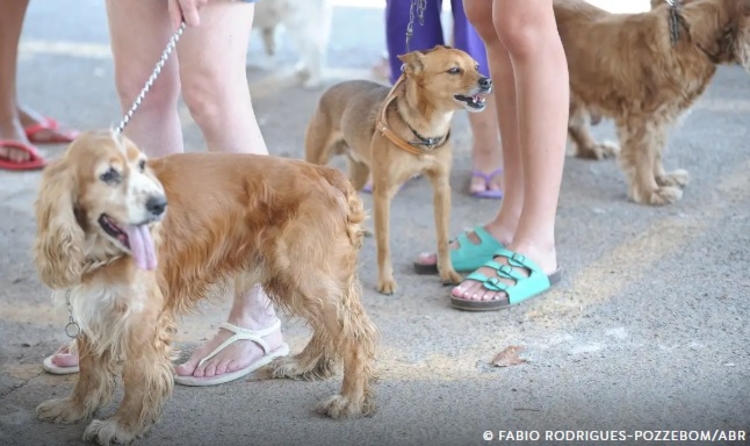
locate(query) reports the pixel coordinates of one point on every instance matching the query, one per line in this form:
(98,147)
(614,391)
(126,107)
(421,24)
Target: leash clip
(72,329)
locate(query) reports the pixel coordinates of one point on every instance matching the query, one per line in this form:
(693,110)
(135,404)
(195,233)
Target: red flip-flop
(49,125)
(35,162)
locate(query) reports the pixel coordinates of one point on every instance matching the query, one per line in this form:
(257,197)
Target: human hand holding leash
(187,10)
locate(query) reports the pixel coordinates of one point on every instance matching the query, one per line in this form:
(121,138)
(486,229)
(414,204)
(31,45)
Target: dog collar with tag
(385,130)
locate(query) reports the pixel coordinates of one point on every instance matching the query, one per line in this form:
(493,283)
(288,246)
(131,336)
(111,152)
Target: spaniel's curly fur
(625,67)
(231,219)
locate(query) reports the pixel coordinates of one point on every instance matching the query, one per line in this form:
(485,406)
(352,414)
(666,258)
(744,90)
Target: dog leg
(585,144)
(269,40)
(351,333)
(320,139)
(383,192)
(148,380)
(677,178)
(318,281)
(317,360)
(311,42)
(355,334)
(358,174)
(442,208)
(94,388)
(640,148)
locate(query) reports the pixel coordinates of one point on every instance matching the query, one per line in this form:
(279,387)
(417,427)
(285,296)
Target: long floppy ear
(58,247)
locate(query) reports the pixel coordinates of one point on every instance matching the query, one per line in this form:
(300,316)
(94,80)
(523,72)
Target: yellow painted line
(30,47)
(630,262)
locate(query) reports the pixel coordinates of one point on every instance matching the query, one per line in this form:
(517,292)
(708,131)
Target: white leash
(154,74)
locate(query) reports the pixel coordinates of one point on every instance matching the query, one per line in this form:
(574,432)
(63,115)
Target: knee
(479,14)
(162,96)
(521,36)
(202,91)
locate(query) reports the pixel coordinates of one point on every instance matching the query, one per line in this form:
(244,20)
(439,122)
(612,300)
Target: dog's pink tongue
(142,247)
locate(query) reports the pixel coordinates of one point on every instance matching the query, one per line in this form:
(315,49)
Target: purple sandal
(487,193)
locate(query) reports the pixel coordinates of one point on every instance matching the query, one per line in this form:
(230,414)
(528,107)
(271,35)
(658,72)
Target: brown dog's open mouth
(113,230)
(477,102)
(135,238)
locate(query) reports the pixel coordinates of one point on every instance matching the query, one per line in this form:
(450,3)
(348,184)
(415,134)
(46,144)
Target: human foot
(511,277)
(64,361)
(40,129)
(468,251)
(233,353)
(487,185)
(13,143)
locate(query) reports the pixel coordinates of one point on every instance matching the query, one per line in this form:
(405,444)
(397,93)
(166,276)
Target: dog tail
(354,208)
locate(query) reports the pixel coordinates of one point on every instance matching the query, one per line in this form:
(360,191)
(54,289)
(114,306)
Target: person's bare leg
(528,32)
(30,117)
(486,153)
(155,126)
(214,78)
(503,226)
(215,89)
(11,23)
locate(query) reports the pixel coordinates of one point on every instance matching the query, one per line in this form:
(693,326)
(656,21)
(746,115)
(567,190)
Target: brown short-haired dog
(131,243)
(397,133)
(643,71)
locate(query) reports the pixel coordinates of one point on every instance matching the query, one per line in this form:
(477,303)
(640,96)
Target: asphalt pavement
(647,332)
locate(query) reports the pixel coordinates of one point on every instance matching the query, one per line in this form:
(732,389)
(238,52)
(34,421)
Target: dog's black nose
(485,83)
(156,205)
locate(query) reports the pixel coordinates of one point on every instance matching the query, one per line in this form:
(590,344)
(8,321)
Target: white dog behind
(308,22)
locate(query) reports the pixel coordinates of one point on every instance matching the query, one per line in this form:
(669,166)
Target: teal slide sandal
(469,256)
(524,288)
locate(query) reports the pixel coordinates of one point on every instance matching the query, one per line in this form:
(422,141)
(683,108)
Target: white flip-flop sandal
(54,369)
(240,334)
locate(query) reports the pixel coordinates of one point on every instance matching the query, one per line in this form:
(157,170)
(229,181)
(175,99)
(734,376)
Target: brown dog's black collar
(430,143)
(385,130)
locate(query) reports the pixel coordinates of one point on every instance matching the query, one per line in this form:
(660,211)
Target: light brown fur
(344,123)
(624,67)
(231,219)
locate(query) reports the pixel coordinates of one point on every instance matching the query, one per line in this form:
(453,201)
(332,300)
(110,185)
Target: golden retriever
(398,133)
(131,243)
(633,69)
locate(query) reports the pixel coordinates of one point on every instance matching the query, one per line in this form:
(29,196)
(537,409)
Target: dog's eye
(454,70)
(142,165)
(111,176)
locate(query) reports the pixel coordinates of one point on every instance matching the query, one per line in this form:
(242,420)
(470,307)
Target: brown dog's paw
(339,406)
(291,368)
(61,411)
(676,178)
(598,151)
(659,196)
(108,432)
(387,286)
(451,277)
